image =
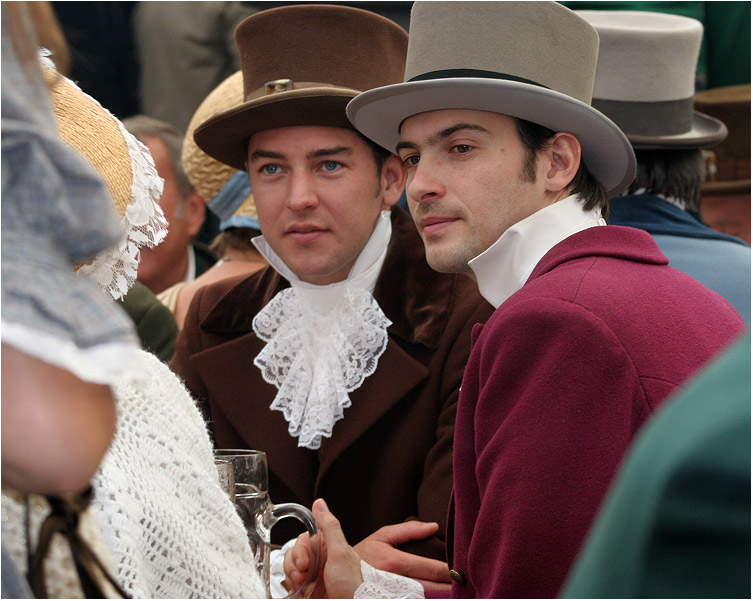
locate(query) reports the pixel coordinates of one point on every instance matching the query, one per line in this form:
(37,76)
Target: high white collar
(363,274)
(503,268)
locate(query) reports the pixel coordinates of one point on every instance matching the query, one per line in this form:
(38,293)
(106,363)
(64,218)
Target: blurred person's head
(167,264)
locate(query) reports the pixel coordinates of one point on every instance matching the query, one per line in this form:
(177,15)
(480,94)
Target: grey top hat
(645,78)
(531,60)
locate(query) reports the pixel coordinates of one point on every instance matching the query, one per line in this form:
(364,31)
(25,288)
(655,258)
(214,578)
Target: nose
(302,192)
(423,182)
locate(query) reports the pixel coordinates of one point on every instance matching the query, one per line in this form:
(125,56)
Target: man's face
(318,196)
(165,264)
(466,182)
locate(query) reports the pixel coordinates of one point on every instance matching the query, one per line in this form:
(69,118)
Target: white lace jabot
(322,341)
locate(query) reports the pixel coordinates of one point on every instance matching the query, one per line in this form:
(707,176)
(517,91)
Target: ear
(194,213)
(563,160)
(392,180)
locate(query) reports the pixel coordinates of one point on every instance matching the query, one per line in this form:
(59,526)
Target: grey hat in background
(531,60)
(645,78)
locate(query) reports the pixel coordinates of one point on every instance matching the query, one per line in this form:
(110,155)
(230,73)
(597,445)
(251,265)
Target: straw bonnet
(301,65)
(730,104)
(127,169)
(531,60)
(226,190)
(645,78)
(93,133)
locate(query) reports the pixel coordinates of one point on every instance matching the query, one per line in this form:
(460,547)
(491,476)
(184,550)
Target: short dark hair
(676,173)
(536,137)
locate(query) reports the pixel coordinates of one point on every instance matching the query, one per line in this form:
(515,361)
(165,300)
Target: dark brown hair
(536,137)
(672,173)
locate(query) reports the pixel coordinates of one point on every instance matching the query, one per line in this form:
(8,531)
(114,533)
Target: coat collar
(412,296)
(659,216)
(607,241)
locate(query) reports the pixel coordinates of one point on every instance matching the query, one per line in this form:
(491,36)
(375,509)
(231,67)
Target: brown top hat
(645,78)
(301,65)
(731,105)
(531,60)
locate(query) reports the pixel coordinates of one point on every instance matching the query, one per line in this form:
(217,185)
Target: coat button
(457,576)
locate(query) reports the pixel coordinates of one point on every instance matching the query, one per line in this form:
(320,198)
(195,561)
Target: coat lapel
(242,395)
(398,373)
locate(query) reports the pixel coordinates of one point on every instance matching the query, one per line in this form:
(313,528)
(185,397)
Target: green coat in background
(154,322)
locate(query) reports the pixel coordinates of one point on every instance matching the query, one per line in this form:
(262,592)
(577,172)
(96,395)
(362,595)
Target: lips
(304,233)
(434,225)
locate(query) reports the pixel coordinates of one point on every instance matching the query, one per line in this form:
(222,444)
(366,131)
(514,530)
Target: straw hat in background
(127,169)
(226,190)
(301,65)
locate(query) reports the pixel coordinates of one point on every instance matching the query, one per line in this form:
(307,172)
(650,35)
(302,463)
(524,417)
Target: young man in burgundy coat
(509,172)
(343,359)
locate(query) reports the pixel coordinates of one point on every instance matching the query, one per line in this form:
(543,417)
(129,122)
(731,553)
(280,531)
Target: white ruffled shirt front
(322,341)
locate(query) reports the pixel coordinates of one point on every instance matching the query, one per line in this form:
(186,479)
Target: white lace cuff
(378,584)
(277,570)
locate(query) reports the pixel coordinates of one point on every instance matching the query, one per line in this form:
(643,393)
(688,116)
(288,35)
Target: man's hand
(341,575)
(380,550)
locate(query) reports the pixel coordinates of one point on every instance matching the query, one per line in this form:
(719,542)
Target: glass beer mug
(243,474)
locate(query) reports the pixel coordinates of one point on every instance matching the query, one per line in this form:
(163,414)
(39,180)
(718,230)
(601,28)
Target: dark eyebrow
(329,151)
(445,133)
(265,154)
(321,152)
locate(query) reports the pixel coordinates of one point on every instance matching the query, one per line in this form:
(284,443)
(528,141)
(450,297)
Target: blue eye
(270,169)
(330,165)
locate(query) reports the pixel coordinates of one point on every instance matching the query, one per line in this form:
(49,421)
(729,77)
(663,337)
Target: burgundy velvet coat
(558,382)
(390,457)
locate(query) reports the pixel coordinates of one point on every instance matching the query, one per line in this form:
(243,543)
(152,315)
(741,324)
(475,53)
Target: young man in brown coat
(343,359)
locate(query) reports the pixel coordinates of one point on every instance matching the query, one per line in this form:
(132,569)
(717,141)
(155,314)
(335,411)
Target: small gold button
(457,576)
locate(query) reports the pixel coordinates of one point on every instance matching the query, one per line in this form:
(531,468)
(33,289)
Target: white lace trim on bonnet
(144,223)
(322,341)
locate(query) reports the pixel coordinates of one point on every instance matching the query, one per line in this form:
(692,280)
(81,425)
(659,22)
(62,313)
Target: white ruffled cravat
(322,341)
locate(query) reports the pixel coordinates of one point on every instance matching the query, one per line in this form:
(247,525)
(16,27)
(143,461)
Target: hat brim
(379,113)
(705,131)
(223,136)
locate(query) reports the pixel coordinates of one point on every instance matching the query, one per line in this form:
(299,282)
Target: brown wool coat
(390,457)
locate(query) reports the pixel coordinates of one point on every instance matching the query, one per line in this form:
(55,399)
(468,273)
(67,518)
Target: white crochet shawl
(170,528)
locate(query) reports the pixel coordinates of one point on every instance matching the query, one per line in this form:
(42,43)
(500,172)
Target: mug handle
(304,515)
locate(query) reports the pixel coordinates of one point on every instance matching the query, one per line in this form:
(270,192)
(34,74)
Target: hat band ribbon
(294,85)
(667,118)
(450,73)
(231,195)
